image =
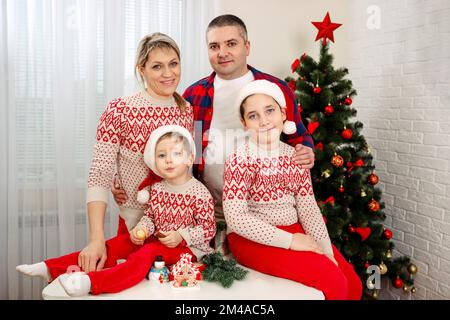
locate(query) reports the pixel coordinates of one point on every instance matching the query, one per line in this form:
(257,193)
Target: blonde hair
(153,41)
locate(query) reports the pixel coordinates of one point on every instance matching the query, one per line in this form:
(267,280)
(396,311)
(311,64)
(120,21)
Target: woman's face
(264,118)
(162,73)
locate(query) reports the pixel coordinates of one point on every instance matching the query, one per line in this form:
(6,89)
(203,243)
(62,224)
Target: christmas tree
(343,175)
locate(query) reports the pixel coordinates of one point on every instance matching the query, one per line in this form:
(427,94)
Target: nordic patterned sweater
(122,133)
(264,189)
(187,208)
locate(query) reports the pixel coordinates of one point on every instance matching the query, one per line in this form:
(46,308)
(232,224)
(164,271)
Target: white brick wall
(402,74)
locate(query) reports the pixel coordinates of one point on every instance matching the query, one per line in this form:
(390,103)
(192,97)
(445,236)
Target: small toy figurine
(159,272)
(185,272)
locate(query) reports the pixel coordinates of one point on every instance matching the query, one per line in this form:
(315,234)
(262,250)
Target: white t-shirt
(225,135)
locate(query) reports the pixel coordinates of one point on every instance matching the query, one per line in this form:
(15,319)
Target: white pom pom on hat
(268,88)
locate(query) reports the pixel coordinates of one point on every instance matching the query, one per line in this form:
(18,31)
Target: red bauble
(329,110)
(366,265)
(317,89)
(348,101)
(347,134)
(373,205)
(372,179)
(341,189)
(337,161)
(351,229)
(398,283)
(387,234)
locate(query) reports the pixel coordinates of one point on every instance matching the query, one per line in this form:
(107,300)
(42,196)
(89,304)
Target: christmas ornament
(341,189)
(397,282)
(373,205)
(326,174)
(363,193)
(363,232)
(405,289)
(329,110)
(299,107)
(347,134)
(348,101)
(292,84)
(140,234)
(326,28)
(387,234)
(383,268)
(372,179)
(319,146)
(303,57)
(389,254)
(337,161)
(317,89)
(413,290)
(159,272)
(374,294)
(351,229)
(330,200)
(295,65)
(185,272)
(367,265)
(412,269)
(312,126)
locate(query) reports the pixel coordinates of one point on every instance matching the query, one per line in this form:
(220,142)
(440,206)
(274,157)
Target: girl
(274,223)
(179,219)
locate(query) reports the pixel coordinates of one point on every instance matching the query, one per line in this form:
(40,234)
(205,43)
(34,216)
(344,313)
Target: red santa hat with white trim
(150,158)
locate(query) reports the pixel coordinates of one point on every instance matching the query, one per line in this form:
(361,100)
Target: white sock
(35,270)
(75,284)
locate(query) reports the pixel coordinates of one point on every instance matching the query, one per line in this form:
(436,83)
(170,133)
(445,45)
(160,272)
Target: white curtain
(61,61)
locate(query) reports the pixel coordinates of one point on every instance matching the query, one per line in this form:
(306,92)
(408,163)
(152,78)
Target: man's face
(228,51)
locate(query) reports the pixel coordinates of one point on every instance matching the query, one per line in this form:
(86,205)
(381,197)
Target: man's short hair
(228,20)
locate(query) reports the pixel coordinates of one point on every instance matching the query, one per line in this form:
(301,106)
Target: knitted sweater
(187,208)
(122,133)
(264,189)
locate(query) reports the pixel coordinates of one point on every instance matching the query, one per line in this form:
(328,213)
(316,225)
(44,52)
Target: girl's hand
(304,242)
(138,236)
(171,239)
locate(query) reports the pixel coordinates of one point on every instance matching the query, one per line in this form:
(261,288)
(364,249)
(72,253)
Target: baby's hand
(171,239)
(138,236)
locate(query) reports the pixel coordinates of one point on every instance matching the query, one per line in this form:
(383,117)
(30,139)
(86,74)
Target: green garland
(220,270)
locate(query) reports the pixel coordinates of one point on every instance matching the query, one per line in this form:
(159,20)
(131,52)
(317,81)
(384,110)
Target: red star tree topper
(326,28)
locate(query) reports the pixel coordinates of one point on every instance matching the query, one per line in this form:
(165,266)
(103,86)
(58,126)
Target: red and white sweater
(122,133)
(264,189)
(187,208)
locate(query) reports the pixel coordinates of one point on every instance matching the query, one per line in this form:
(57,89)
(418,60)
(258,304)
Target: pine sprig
(218,269)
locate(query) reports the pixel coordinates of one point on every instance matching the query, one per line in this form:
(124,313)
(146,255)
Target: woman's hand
(119,194)
(93,253)
(304,242)
(171,239)
(138,236)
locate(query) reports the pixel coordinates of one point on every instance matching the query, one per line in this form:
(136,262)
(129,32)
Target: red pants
(117,277)
(311,269)
(122,228)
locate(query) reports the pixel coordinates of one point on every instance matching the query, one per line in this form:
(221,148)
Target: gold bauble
(363,193)
(375,294)
(413,290)
(412,269)
(405,289)
(383,268)
(389,254)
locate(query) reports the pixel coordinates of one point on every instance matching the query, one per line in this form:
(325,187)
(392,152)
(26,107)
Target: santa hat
(149,157)
(268,88)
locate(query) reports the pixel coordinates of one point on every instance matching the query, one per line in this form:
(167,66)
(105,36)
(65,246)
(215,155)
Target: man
(220,131)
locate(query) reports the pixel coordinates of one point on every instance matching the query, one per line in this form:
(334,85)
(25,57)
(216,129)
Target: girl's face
(162,73)
(264,118)
(172,159)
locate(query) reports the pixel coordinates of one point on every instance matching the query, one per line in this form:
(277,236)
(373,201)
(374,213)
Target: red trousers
(122,228)
(117,277)
(311,269)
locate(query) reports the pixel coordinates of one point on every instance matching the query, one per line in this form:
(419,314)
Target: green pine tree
(343,169)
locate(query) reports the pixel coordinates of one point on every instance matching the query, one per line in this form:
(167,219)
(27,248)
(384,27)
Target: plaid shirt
(201,95)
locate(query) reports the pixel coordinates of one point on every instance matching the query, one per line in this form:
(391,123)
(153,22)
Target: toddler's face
(264,118)
(172,159)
